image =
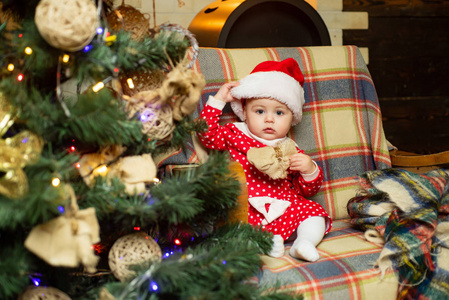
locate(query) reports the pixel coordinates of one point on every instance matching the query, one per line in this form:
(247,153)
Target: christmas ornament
(15,153)
(8,22)
(154,113)
(127,18)
(142,80)
(273,161)
(66,241)
(67,24)
(133,249)
(43,293)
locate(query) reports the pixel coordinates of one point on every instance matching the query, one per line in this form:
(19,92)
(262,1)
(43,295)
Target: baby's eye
(259,111)
(279,112)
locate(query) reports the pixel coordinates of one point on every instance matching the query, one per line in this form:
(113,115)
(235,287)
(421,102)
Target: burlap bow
(182,89)
(133,171)
(67,240)
(273,161)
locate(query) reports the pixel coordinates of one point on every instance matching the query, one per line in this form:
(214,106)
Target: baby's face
(267,118)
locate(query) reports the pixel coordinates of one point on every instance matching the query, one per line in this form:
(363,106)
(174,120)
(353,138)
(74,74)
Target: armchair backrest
(341,127)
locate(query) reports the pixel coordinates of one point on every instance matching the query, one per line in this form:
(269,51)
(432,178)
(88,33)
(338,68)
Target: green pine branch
(15,266)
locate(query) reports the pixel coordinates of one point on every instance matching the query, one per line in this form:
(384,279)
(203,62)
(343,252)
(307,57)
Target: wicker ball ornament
(67,24)
(132,249)
(43,293)
(155,114)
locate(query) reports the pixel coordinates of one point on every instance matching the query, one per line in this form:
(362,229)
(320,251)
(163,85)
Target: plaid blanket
(409,213)
(341,128)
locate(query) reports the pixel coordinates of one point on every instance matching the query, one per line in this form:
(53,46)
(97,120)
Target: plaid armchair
(342,131)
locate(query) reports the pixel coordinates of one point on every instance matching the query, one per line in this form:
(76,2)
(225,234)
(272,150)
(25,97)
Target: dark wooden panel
(399,7)
(408,43)
(417,125)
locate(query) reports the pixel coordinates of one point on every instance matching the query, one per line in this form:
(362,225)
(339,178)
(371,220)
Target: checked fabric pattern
(344,270)
(341,127)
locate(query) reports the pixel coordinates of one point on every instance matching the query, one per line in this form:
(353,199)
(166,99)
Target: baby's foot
(304,249)
(278,249)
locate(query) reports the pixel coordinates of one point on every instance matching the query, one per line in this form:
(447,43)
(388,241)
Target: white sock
(309,234)
(278,249)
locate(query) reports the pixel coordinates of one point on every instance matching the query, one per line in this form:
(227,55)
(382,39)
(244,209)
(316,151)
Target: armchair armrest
(418,162)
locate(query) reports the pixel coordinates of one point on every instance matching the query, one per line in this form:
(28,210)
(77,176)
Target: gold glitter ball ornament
(67,24)
(132,249)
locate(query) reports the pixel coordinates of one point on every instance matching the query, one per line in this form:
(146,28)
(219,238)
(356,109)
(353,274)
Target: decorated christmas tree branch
(189,197)
(216,270)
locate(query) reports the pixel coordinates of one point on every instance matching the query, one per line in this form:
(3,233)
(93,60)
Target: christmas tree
(90,97)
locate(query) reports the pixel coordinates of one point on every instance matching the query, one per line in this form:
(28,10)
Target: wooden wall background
(408,43)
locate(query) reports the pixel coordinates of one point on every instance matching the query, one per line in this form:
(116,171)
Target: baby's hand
(302,163)
(224,93)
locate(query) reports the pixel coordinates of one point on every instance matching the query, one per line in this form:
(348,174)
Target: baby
(269,102)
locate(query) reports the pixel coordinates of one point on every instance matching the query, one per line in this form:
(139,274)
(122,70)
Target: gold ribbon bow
(273,161)
(15,153)
(67,240)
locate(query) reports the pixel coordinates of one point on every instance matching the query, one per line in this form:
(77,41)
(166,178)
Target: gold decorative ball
(67,24)
(129,19)
(132,249)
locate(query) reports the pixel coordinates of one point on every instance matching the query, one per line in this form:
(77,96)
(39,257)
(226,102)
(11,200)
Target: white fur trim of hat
(280,80)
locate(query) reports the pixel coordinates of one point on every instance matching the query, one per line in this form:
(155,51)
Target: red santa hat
(280,80)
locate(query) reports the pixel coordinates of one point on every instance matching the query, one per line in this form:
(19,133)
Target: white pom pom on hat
(280,80)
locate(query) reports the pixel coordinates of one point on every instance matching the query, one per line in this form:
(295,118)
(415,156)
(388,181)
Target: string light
(154,286)
(110,39)
(55,181)
(36,281)
(98,86)
(130,83)
(77,165)
(136,228)
(177,242)
(101,170)
(10,67)
(20,77)
(65,58)
(28,50)
(100,30)
(87,48)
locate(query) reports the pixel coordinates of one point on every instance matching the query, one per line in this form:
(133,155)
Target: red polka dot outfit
(293,188)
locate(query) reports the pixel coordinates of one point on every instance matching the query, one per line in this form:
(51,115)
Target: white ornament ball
(132,249)
(67,24)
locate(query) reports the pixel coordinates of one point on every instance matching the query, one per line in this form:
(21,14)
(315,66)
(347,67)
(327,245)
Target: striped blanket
(409,214)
